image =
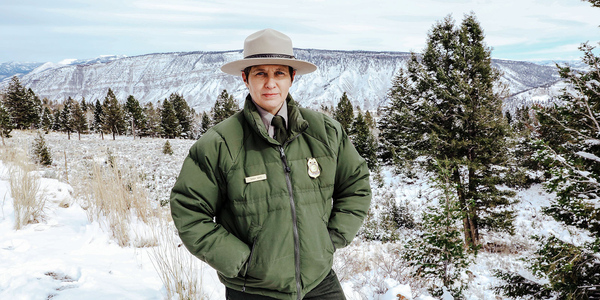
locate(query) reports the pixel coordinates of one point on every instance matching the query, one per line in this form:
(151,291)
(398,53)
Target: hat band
(270,56)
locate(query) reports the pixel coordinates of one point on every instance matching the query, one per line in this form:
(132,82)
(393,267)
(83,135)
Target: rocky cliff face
(364,76)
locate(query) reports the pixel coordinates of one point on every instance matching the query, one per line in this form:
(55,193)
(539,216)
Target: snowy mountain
(12,68)
(365,77)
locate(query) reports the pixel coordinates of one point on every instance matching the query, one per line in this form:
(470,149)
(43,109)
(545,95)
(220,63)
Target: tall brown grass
(115,197)
(178,270)
(24,182)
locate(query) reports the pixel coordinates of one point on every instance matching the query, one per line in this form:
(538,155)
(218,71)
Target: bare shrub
(28,200)
(177,268)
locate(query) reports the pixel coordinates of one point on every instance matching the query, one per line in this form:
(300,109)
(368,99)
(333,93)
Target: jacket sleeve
(195,201)
(351,195)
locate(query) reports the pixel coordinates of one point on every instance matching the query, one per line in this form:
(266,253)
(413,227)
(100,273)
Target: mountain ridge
(366,77)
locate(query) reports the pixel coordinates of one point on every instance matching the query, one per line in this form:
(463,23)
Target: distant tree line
(21,108)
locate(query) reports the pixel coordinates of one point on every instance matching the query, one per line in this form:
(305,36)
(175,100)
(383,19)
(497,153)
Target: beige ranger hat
(268,47)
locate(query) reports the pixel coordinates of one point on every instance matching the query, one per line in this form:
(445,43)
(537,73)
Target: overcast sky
(53,30)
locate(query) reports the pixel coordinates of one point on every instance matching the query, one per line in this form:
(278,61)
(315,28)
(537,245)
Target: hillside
(364,76)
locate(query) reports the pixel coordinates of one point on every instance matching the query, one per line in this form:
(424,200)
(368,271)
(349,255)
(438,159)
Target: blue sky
(42,30)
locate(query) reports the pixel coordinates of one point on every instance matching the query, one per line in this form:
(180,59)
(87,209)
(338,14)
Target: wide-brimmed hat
(268,47)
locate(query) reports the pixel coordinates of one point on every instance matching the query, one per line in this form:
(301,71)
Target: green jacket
(246,205)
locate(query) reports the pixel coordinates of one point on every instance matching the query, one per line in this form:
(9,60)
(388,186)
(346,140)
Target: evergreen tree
(84,105)
(370,120)
(569,149)
(67,123)
(344,112)
(114,117)
(34,110)
(6,124)
(80,124)
(167,149)
(17,103)
(205,123)
(56,119)
(135,116)
(153,119)
(41,153)
(446,106)
(47,120)
(168,121)
(224,107)
(364,142)
(98,118)
(184,114)
(437,254)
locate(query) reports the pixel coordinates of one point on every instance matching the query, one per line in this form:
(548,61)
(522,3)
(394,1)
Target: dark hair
(247,72)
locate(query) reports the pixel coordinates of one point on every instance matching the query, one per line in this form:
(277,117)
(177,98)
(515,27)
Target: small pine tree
(41,153)
(224,107)
(167,149)
(344,112)
(438,255)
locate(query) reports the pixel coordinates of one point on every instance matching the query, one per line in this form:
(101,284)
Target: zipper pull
(286,168)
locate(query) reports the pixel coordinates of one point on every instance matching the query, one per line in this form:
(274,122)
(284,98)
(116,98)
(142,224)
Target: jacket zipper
(248,264)
(288,180)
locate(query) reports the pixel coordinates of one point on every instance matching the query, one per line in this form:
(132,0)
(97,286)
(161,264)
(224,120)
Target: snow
(67,256)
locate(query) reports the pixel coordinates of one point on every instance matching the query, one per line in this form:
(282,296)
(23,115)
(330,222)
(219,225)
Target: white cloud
(528,26)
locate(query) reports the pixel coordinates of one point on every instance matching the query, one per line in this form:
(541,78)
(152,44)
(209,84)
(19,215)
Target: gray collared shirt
(266,117)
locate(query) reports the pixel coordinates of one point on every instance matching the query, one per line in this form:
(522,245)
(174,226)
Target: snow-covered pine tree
(168,121)
(34,110)
(224,107)
(17,103)
(167,149)
(152,125)
(114,117)
(438,255)
(41,153)
(364,142)
(66,117)
(184,114)
(569,148)
(135,116)
(46,122)
(445,105)
(205,123)
(98,119)
(344,113)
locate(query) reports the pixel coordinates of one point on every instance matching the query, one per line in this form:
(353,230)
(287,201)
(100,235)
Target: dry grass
(178,270)
(24,182)
(115,198)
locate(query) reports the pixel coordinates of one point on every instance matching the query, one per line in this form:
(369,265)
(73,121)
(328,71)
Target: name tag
(256,178)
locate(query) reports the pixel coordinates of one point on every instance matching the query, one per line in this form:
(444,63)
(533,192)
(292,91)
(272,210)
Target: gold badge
(313,168)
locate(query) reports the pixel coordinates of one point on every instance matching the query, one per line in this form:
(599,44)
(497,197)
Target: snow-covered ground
(67,256)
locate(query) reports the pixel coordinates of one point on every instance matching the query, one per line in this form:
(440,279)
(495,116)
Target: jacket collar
(296,123)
